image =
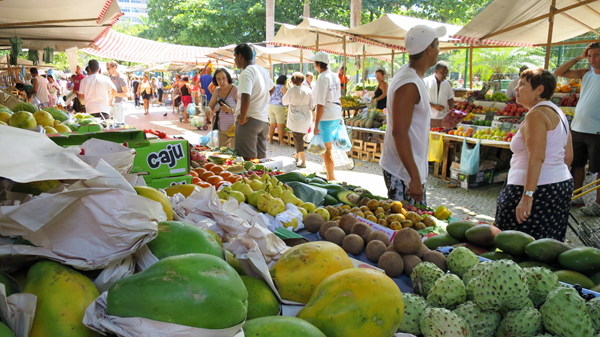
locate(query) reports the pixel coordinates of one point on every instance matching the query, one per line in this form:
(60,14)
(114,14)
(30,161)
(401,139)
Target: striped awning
(118,46)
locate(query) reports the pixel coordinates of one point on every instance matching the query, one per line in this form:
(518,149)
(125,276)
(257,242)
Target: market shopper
(441,95)
(512,86)
(329,108)
(300,103)
(40,89)
(97,91)
(176,86)
(404,157)
(536,199)
(135,85)
(159,86)
(119,105)
(343,78)
(308,81)
(585,126)
(54,90)
(78,106)
(145,91)
(154,97)
(206,83)
(380,94)
(252,117)
(223,103)
(186,97)
(196,89)
(277,110)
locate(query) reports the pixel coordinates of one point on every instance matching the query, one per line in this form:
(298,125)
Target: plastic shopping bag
(469,158)
(316,146)
(341,141)
(310,134)
(436,149)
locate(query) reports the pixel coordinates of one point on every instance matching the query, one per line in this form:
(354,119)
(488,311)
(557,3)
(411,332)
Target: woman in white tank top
(536,199)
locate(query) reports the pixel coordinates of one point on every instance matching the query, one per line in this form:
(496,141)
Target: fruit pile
(513,109)
(260,173)
(570,100)
(213,175)
(495,134)
(365,121)
(27,115)
(498,96)
(471,108)
(349,101)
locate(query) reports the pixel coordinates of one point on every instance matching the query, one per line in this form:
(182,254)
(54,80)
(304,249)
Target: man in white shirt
(252,117)
(97,91)
(40,89)
(510,90)
(308,80)
(441,95)
(404,158)
(120,82)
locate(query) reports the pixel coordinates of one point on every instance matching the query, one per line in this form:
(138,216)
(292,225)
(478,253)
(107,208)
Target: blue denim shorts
(326,129)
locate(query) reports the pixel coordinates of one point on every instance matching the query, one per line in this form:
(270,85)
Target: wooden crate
(290,138)
(355,153)
(376,157)
(365,155)
(371,147)
(357,144)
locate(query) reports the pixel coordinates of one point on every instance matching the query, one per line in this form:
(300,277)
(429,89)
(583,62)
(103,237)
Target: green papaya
(179,238)
(10,285)
(546,250)
(63,294)
(457,229)
(235,263)
(5,331)
(261,300)
(278,326)
(369,123)
(291,176)
(573,278)
(513,242)
(332,189)
(585,260)
(363,122)
(197,290)
(440,241)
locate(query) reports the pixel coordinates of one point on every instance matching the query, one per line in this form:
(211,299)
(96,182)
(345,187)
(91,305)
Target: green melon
(179,238)
(261,300)
(279,326)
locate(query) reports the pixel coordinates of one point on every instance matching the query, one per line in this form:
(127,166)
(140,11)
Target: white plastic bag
(214,139)
(316,146)
(116,155)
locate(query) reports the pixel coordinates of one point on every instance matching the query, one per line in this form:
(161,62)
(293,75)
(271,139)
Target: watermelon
(58,114)
(25,107)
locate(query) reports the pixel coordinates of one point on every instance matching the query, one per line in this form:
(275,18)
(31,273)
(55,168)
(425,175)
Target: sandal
(300,165)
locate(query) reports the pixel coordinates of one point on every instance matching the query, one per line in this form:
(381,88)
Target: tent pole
(344,64)
(316,51)
(466,69)
(364,71)
(393,51)
(471,67)
(550,31)
(301,60)
(270,65)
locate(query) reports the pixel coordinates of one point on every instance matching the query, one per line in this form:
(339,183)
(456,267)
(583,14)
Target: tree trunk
(306,12)
(270,20)
(355,11)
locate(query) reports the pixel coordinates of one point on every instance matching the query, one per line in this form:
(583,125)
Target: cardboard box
(166,182)
(159,158)
(468,181)
(500,177)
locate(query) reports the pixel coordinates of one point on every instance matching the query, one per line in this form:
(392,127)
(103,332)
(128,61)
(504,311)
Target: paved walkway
(478,203)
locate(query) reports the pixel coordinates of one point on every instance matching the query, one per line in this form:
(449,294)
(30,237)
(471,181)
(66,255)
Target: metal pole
(393,51)
(301,59)
(344,65)
(550,31)
(270,66)
(466,69)
(364,71)
(471,67)
(317,50)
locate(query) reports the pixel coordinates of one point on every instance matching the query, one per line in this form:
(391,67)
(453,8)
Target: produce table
(117,136)
(346,110)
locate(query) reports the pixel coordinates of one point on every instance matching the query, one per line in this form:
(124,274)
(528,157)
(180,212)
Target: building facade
(133,10)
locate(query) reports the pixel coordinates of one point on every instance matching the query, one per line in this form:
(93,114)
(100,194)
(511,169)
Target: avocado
(349,198)
(495,256)
(457,229)
(440,241)
(482,235)
(585,260)
(546,250)
(513,242)
(573,277)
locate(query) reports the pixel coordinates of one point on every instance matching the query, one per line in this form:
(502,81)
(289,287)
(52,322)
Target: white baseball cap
(419,37)
(321,56)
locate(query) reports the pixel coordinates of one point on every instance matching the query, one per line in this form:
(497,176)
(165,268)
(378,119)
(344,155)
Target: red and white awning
(118,46)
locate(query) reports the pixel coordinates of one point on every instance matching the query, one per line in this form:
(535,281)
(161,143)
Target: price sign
(497,86)
(573,90)
(486,87)
(489,115)
(506,126)
(471,99)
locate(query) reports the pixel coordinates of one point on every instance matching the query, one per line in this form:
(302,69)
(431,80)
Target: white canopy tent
(58,24)
(265,57)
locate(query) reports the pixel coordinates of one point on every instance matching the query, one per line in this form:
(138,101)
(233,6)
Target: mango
(261,300)
(5,331)
(278,326)
(440,241)
(180,238)
(156,195)
(355,302)
(457,229)
(573,278)
(301,268)
(546,250)
(495,256)
(63,294)
(197,290)
(482,235)
(585,260)
(513,242)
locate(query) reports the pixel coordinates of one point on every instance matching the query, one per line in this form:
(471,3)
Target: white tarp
(503,14)
(278,55)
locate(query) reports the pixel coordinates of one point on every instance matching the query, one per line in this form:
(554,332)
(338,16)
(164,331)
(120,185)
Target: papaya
(482,235)
(440,241)
(63,294)
(585,260)
(278,326)
(35,187)
(513,242)
(457,229)
(185,189)
(573,278)
(495,256)
(355,302)
(546,250)
(261,300)
(156,195)
(234,263)
(179,238)
(6,332)
(301,268)
(10,285)
(197,290)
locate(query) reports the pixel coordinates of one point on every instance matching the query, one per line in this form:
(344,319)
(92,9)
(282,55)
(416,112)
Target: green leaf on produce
(432,230)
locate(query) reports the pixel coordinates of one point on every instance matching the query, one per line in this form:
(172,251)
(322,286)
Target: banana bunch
(349,101)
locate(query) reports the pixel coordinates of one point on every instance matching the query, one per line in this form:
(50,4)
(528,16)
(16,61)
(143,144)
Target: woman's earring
(536,99)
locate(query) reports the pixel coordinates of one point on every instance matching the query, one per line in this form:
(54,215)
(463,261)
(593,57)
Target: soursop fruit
(545,335)
(439,322)
(564,314)
(505,310)
(593,310)
(541,282)
(460,260)
(424,276)
(480,323)
(526,322)
(447,292)
(414,306)
(501,284)
(469,289)
(475,271)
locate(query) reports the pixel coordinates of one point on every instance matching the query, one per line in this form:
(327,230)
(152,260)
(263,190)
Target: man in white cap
(441,95)
(405,151)
(327,95)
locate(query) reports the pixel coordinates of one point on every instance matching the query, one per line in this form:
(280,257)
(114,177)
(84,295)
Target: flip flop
(301,165)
